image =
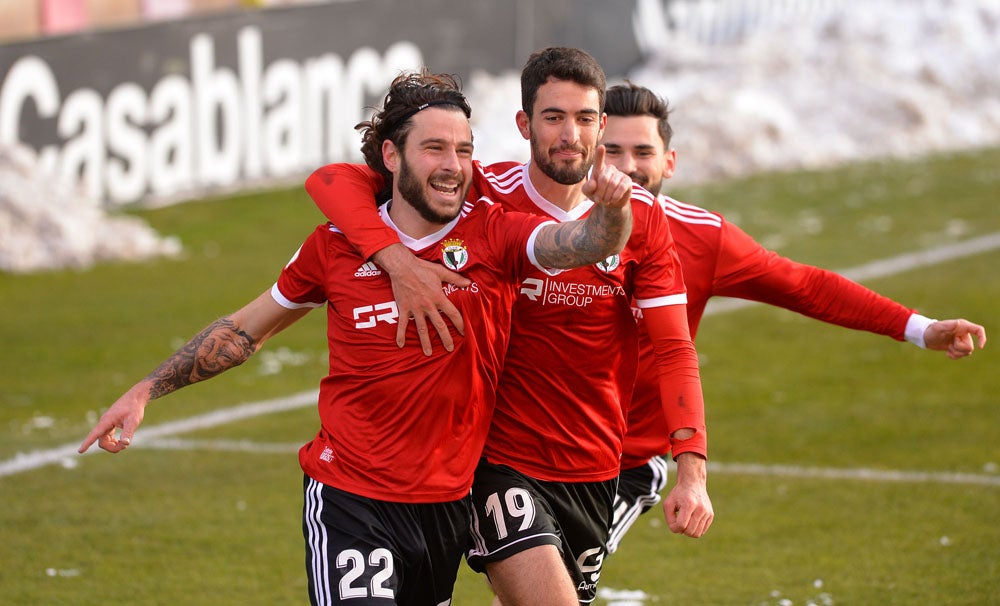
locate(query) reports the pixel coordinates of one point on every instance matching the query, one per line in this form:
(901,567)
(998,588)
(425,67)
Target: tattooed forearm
(576,243)
(218,348)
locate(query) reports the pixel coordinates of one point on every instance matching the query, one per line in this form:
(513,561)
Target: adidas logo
(368,270)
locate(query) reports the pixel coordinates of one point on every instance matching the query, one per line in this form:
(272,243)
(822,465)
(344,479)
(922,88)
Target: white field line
(67,452)
(742,469)
(244,446)
(873,475)
(22,462)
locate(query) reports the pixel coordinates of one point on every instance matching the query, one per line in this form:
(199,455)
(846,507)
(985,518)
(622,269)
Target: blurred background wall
(165,99)
(160,100)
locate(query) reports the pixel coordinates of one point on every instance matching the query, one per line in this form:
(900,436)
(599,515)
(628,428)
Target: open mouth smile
(445,187)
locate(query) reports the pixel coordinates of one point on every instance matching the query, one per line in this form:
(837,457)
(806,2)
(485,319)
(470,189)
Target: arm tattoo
(576,243)
(217,348)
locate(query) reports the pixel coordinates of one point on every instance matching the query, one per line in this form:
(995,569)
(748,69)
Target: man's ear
(669,163)
(390,155)
(523,124)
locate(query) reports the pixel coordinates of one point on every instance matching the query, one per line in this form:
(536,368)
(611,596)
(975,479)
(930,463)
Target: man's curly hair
(408,94)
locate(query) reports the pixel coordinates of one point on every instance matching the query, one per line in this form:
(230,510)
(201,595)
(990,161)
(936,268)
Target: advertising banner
(181,108)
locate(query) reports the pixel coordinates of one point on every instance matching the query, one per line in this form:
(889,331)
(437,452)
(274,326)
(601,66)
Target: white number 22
(381,559)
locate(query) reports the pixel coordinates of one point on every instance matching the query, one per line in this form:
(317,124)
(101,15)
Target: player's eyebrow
(442,141)
(559,110)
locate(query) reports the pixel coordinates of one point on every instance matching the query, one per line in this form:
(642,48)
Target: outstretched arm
(223,344)
(748,270)
(605,230)
(345,193)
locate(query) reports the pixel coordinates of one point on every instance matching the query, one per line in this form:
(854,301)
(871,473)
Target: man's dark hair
(408,94)
(561,63)
(630,100)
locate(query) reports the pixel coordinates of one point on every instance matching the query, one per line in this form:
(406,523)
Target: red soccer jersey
(571,361)
(562,417)
(719,259)
(397,425)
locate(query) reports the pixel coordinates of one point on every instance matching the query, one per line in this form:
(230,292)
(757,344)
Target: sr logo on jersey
(609,265)
(368,316)
(454,254)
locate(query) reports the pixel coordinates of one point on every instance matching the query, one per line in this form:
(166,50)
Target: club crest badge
(454,255)
(610,264)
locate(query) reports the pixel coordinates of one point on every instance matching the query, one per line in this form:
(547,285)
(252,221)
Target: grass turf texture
(204,527)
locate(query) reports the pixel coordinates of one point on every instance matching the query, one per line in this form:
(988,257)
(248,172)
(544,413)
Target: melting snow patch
(898,79)
(62,572)
(272,362)
(45,223)
(623,597)
(69,463)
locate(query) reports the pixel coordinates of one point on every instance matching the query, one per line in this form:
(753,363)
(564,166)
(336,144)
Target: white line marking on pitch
(740,469)
(875,475)
(247,446)
(877,269)
(62,454)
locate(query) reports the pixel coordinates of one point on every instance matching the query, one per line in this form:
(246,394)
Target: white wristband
(915,328)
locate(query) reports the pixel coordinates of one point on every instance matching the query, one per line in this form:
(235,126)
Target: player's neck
(409,221)
(566,197)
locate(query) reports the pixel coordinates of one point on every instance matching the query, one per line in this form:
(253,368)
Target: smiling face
(563,128)
(432,173)
(635,147)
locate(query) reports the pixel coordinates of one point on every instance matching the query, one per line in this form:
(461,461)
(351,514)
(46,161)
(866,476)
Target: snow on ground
(48,224)
(896,78)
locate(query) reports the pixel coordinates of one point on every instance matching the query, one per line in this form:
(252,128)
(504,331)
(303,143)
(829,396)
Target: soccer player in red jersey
(719,259)
(386,514)
(543,492)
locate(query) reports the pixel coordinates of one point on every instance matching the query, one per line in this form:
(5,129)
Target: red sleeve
(301,280)
(680,380)
(345,193)
(747,270)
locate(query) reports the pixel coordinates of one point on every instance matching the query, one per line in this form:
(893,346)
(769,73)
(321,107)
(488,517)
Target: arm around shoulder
(345,194)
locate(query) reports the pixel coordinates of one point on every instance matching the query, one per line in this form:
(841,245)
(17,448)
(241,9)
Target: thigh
(509,515)
(513,513)
(638,491)
(536,576)
(369,552)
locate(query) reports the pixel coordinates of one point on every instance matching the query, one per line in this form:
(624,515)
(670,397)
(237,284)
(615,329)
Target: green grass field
(199,524)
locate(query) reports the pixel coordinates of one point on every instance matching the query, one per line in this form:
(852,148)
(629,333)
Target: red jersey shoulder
(500,177)
(642,197)
(689,214)
(316,247)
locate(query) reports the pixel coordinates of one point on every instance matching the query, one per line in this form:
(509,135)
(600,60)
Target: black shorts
(364,551)
(512,513)
(638,490)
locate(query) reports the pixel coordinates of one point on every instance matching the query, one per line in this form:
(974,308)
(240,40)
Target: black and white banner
(176,109)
